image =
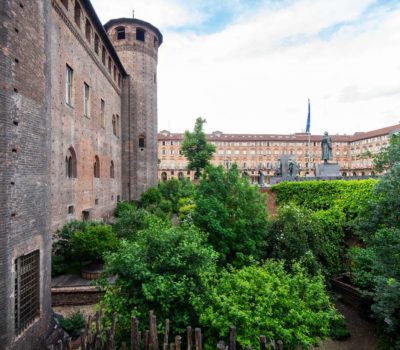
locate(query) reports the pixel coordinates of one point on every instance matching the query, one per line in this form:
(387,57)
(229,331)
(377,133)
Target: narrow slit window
(112,170)
(96,167)
(69,74)
(88,30)
(114,125)
(102,113)
(103,55)
(96,44)
(86,100)
(142,141)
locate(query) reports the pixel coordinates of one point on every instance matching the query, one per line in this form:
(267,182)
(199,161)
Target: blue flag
(308,118)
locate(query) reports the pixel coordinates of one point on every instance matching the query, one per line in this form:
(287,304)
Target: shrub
(73,323)
(265,299)
(347,196)
(157,271)
(91,244)
(376,269)
(130,219)
(295,231)
(63,260)
(232,212)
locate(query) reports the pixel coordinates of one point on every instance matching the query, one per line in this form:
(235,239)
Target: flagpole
(308,139)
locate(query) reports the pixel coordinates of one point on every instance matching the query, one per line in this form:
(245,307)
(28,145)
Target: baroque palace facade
(260,152)
(78,132)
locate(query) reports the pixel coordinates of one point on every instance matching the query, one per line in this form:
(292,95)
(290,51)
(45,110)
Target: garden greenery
(266,299)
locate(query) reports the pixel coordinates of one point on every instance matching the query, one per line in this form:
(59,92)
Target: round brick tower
(136,43)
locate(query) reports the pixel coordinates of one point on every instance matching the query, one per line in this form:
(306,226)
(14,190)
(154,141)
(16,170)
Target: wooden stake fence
(94,337)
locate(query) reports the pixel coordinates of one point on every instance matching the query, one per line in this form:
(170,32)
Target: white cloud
(255,76)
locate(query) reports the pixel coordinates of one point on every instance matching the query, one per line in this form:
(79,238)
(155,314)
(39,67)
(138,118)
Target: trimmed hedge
(349,196)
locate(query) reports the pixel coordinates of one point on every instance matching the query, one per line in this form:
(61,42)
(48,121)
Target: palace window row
(69,100)
(90,34)
(71,165)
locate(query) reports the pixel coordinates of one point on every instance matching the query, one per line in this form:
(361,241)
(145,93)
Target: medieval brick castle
(78,132)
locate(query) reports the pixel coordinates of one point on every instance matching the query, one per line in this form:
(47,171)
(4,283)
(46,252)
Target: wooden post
(172,346)
(83,339)
(68,344)
(108,344)
(166,334)
(113,323)
(60,345)
(178,341)
(89,332)
(135,342)
(189,338)
(146,339)
(248,347)
(97,322)
(123,346)
(153,342)
(198,341)
(98,343)
(232,337)
(263,342)
(279,344)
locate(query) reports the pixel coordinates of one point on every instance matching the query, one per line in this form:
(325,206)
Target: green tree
(376,270)
(296,231)
(265,299)
(389,156)
(196,149)
(232,212)
(158,270)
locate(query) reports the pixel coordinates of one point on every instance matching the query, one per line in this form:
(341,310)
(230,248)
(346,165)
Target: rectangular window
(109,64)
(103,55)
(86,100)
(68,84)
(77,14)
(27,290)
(96,44)
(121,33)
(139,34)
(102,109)
(88,30)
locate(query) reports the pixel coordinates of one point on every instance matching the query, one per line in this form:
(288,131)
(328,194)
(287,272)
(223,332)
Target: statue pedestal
(327,170)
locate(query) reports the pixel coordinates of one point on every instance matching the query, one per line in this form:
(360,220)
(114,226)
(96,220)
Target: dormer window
(120,33)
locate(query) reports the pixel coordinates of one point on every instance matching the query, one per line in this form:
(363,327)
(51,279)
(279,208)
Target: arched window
(96,167)
(142,141)
(112,173)
(70,163)
(120,33)
(354,174)
(344,174)
(164,176)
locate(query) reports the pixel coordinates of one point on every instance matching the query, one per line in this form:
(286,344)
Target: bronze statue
(291,165)
(326,147)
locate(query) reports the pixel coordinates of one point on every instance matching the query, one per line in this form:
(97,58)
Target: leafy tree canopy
(267,300)
(158,270)
(389,156)
(196,149)
(232,212)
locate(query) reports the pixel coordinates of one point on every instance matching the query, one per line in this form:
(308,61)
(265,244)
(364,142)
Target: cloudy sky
(249,66)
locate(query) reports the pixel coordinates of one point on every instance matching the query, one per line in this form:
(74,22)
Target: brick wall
(140,61)
(24,159)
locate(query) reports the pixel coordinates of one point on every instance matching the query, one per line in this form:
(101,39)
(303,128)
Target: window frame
(86,100)
(69,85)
